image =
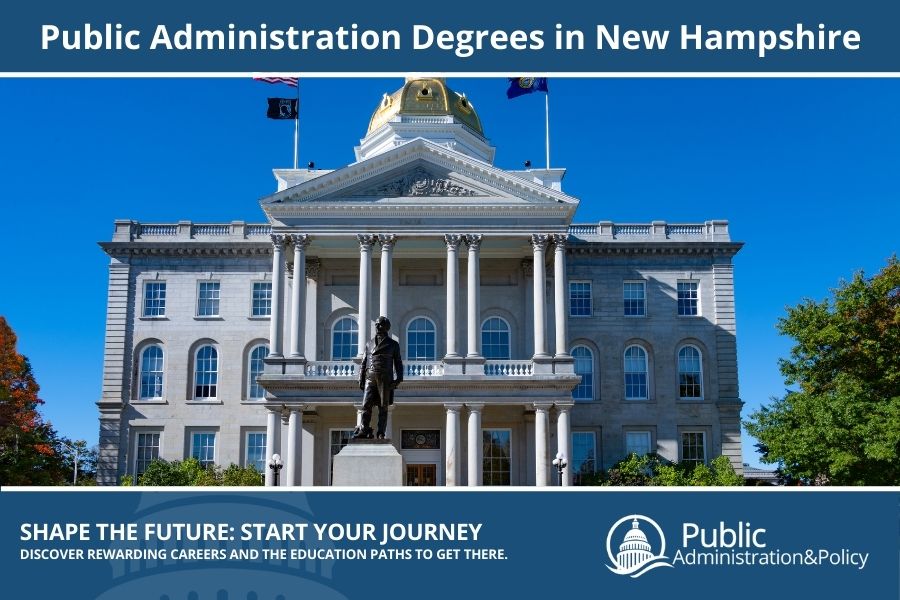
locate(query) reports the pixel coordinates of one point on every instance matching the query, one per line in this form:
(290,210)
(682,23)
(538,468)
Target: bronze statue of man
(380,373)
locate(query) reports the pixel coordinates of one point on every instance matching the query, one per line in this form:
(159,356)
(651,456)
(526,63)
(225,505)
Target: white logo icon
(635,556)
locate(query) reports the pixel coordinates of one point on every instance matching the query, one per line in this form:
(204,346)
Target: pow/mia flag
(282,108)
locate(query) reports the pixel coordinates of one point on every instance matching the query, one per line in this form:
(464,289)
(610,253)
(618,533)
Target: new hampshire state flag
(519,86)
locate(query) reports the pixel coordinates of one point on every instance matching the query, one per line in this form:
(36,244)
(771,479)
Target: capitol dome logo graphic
(635,556)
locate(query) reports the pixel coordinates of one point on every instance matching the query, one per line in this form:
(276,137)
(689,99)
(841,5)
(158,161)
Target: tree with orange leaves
(29,446)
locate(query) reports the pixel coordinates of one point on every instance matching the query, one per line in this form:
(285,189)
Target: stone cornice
(206,249)
(576,248)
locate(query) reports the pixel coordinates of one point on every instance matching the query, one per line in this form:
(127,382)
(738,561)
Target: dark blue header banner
(235,545)
(765,36)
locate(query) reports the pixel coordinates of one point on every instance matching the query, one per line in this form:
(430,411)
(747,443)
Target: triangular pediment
(421,177)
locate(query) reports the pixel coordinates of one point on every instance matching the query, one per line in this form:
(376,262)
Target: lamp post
(276,465)
(74,449)
(560,463)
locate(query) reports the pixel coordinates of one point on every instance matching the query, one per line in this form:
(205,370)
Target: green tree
(840,424)
(29,446)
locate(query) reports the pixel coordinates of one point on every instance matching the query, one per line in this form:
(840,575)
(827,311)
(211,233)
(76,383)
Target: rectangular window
(208,299)
(146,451)
(261,303)
(693,447)
(584,456)
(580,299)
(339,439)
(256,451)
(634,295)
(496,462)
(154,299)
(203,447)
(637,442)
(688,298)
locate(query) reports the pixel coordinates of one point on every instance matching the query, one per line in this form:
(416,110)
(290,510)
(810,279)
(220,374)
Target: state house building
(524,333)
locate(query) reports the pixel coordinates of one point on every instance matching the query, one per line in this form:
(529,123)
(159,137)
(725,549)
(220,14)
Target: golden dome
(426,97)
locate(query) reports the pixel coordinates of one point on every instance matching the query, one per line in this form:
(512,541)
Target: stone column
(452,292)
(365,286)
(387,252)
(563,437)
(541,460)
(473,306)
(308,450)
(275,325)
(311,318)
(298,294)
(272,442)
(539,244)
(359,413)
(451,470)
(559,295)
(294,448)
(475,448)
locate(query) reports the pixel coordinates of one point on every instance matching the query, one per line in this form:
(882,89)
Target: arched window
(206,372)
(635,373)
(495,339)
(584,366)
(690,373)
(151,373)
(420,340)
(254,369)
(344,339)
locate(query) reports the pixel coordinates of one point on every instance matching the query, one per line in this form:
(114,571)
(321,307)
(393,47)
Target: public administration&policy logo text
(739,545)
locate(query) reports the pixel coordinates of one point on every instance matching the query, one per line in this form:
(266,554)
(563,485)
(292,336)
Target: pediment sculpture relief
(419,183)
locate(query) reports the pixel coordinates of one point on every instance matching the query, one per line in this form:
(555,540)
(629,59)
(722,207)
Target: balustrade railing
(332,368)
(421,368)
(259,229)
(147,230)
(657,231)
(685,230)
(631,230)
(211,229)
(508,368)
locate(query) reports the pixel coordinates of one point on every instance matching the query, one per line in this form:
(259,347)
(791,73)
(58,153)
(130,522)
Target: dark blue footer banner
(236,545)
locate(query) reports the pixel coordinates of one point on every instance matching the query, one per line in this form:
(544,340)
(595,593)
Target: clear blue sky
(806,170)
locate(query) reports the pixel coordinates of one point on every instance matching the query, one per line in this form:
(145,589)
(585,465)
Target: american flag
(291,81)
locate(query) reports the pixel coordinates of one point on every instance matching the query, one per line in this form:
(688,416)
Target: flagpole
(547,109)
(297,128)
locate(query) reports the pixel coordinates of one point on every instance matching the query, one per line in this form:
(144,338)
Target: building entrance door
(422,474)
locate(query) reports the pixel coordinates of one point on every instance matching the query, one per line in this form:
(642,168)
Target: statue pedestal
(367,463)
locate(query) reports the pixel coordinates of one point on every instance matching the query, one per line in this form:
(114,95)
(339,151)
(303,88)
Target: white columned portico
(452,241)
(541,459)
(275,325)
(539,245)
(474,439)
(473,289)
(294,448)
(273,446)
(298,294)
(386,286)
(559,295)
(365,287)
(563,437)
(451,464)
